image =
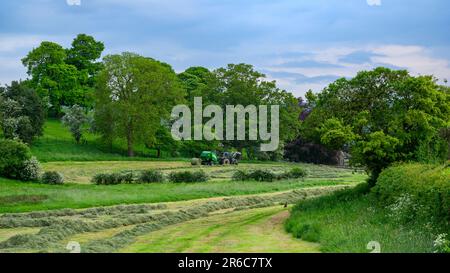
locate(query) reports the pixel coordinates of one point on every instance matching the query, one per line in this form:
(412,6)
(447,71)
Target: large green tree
(382,116)
(64,77)
(133,95)
(241,84)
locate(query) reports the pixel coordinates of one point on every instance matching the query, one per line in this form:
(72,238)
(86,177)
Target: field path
(255,230)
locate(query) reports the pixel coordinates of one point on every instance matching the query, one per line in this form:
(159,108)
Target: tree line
(378,117)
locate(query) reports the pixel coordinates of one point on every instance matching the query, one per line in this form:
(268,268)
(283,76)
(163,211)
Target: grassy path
(256,230)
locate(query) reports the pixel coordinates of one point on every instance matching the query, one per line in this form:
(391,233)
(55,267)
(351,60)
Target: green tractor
(209,158)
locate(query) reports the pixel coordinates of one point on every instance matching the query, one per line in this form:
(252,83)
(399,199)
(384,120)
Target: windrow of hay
(57,227)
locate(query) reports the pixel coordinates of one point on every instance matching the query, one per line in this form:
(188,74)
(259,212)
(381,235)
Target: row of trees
(135,95)
(380,117)
(130,97)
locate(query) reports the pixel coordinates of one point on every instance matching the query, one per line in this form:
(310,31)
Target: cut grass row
(257,230)
(103,226)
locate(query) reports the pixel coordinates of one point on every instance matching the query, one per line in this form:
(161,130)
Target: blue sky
(300,44)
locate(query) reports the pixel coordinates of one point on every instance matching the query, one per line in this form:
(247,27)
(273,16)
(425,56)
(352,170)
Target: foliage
(381,116)
(297,173)
(52,178)
(267,175)
(75,118)
(127,83)
(64,77)
(241,84)
(416,191)
(83,54)
(188,177)
(112,178)
(31,170)
(21,112)
(151,176)
(345,221)
(14,156)
(301,150)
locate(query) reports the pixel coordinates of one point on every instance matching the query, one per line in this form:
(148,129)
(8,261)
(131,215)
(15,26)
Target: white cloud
(374,2)
(73,2)
(416,59)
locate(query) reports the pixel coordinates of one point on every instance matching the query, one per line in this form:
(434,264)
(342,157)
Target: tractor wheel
(226,161)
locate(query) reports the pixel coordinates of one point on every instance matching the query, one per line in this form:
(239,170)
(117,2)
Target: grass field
(257,230)
(222,220)
(215,216)
(79,193)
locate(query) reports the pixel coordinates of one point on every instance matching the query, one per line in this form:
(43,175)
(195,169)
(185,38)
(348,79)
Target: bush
(297,173)
(107,179)
(267,176)
(151,176)
(14,156)
(262,176)
(425,187)
(31,170)
(53,178)
(186,176)
(240,176)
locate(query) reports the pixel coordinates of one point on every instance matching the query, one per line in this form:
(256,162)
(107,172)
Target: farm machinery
(226,158)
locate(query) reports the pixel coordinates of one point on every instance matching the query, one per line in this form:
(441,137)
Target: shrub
(106,179)
(240,176)
(53,178)
(126,178)
(262,176)
(426,188)
(13,158)
(31,170)
(186,176)
(151,176)
(297,173)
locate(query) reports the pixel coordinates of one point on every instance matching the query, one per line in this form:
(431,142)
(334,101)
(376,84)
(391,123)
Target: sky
(301,44)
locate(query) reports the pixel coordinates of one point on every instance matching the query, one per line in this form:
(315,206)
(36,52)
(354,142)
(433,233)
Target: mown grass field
(257,230)
(250,223)
(220,215)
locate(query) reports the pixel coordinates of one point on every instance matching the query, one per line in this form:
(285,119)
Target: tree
(64,77)
(134,93)
(382,116)
(195,80)
(241,84)
(83,54)
(162,141)
(75,118)
(22,114)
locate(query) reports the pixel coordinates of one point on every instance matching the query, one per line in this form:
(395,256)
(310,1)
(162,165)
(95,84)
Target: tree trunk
(158,153)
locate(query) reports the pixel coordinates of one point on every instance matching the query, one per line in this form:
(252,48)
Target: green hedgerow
(188,177)
(151,176)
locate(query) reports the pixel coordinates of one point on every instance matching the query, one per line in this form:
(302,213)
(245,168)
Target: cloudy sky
(301,44)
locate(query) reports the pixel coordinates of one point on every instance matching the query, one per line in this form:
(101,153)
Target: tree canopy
(64,77)
(133,95)
(382,116)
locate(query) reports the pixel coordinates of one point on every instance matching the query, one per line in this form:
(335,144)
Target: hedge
(428,187)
